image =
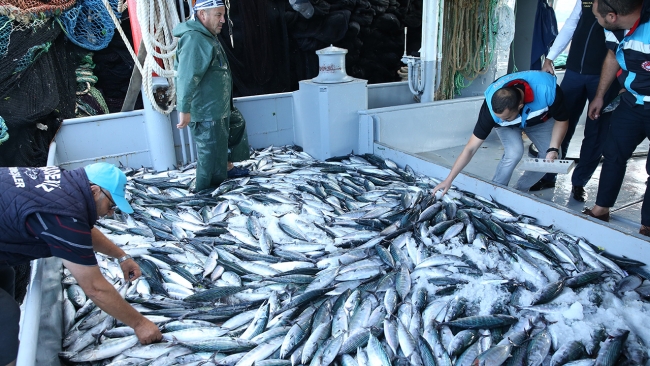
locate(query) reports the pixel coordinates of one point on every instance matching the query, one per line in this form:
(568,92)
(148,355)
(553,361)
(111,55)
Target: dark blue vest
(24,191)
(588,48)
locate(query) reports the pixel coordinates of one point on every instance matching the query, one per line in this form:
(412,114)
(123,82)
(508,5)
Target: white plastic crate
(558,166)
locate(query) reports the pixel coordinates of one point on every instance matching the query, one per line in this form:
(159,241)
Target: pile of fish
(353,262)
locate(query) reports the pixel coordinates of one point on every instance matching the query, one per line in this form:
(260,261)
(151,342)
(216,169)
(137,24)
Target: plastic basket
(558,166)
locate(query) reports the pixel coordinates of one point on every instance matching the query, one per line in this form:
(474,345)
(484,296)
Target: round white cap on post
(331,66)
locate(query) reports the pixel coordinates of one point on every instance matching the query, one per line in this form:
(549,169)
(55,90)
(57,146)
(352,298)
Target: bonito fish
(352,261)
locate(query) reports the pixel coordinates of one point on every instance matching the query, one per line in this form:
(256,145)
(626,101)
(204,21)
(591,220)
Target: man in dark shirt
(580,82)
(51,212)
(521,102)
(627,35)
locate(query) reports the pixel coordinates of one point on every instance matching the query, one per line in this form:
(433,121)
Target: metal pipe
(627,205)
(429,53)
(411,76)
(421,77)
(51,154)
(429,30)
(30,317)
(101,117)
(181,8)
(159,133)
(441,21)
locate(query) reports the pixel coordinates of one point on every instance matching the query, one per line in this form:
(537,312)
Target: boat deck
(628,217)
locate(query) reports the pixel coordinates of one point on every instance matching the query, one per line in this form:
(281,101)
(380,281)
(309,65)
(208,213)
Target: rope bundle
(90,100)
(157,19)
(468,44)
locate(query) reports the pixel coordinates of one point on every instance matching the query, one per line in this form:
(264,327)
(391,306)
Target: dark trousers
(629,127)
(9,316)
(577,89)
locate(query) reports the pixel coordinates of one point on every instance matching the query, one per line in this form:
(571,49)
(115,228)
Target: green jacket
(203,79)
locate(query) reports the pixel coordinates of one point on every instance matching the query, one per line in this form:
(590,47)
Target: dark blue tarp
(544,33)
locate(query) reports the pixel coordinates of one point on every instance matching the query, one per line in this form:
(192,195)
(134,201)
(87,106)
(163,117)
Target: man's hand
(184,120)
(104,295)
(444,186)
(550,156)
(548,66)
(147,332)
(131,270)
(595,107)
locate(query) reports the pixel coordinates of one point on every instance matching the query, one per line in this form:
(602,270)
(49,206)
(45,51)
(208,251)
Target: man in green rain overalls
(204,97)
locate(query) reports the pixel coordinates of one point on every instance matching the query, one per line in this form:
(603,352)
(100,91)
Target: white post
(441,33)
(159,133)
(430,32)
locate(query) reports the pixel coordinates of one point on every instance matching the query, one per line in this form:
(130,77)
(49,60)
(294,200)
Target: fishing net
(470,40)
(90,101)
(28,10)
(22,272)
(114,66)
(505,31)
(259,61)
(25,46)
(37,88)
(89,25)
(4,134)
(6,26)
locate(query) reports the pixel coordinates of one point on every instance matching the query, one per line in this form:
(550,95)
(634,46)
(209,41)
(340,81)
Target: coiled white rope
(157,19)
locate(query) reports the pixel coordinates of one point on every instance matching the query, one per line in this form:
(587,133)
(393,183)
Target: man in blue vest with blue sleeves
(579,85)
(627,36)
(50,212)
(527,101)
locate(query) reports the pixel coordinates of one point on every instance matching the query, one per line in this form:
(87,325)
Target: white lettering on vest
(52,179)
(18,180)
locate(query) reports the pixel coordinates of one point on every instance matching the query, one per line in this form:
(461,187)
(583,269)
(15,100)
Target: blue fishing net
(6,26)
(89,25)
(4,135)
(32,55)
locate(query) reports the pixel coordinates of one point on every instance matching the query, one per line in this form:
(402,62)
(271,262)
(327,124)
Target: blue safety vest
(542,85)
(633,55)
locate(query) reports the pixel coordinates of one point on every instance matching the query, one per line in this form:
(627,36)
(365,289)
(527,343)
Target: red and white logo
(646,66)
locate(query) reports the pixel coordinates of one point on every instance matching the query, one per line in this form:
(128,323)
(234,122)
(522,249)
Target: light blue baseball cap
(109,177)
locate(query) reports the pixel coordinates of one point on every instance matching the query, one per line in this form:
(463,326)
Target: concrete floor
(485,162)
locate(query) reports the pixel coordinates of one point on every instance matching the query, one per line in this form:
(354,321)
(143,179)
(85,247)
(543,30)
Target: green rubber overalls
(204,89)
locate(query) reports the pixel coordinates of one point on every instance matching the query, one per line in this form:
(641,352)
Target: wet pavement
(626,213)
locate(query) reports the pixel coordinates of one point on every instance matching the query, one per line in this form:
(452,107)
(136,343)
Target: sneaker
(542,184)
(645,230)
(579,193)
(237,172)
(603,217)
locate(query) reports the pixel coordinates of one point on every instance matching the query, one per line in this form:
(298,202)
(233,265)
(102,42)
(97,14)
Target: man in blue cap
(204,97)
(47,212)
